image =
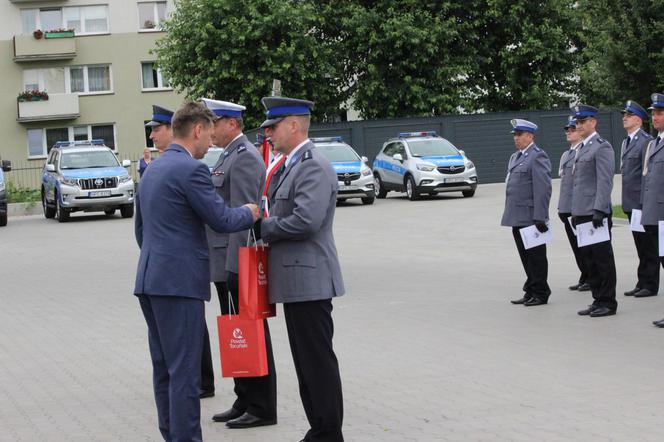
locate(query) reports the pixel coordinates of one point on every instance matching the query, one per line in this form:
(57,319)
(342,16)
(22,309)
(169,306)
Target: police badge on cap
(519,125)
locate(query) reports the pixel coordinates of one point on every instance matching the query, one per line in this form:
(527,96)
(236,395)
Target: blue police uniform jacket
(175,200)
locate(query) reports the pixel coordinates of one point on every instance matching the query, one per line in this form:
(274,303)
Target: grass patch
(618,212)
(21,194)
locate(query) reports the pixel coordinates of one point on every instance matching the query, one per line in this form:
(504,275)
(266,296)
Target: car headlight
(68,181)
(425,167)
(124,179)
(470,165)
(366,172)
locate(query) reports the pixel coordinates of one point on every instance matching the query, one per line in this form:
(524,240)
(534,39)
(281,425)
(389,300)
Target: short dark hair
(188,115)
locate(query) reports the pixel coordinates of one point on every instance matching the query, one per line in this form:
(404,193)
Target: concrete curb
(24,209)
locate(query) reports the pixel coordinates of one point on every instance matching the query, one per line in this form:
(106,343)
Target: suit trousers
(207,369)
(310,330)
(601,265)
(536,267)
(175,336)
(256,395)
(571,237)
(647,249)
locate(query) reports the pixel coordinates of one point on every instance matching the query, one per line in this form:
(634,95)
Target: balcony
(28,48)
(57,107)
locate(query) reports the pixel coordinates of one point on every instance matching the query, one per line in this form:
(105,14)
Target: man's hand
(598,216)
(255,212)
(541,226)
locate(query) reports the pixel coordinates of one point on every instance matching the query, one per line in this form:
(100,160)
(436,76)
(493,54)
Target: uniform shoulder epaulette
(307,156)
(537,149)
(241,148)
(601,140)
(646,135)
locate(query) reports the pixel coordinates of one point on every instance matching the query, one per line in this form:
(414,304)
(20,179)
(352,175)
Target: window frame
(155,15)
(86,80)
(160,79)
(70,135)
(63,25)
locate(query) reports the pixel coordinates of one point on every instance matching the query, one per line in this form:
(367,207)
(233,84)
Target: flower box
(59,33)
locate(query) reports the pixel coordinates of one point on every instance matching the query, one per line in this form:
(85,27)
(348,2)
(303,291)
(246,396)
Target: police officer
(160,127)
(631,167)
(653,183)
(238,177)
(528,193)
(565,200)
(593,169)
(304,271)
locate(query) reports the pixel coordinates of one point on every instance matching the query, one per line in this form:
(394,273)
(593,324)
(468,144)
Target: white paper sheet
(635,224)
(532,237)
(587,235)
(661,238)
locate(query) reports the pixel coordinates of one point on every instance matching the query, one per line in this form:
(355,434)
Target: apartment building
(100,79)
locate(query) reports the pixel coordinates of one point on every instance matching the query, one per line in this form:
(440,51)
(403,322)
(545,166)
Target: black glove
(598,216)
(574,222)
(257,228)
(541,226)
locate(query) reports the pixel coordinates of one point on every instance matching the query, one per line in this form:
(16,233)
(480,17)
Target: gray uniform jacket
(565,171)
(302,263)
(652,195)
(528,190)
(594,167)
(238,177)
(631,168)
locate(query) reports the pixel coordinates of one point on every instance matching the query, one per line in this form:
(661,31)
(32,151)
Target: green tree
(622,55)
(233,50)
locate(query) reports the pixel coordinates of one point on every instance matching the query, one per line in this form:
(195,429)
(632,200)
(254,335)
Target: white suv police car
(85,176)
(354,175)
(423,163)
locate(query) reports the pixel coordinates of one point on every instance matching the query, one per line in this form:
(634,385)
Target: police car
(212,156)
(6,167)
(423,163)
(354,175)
(85,176)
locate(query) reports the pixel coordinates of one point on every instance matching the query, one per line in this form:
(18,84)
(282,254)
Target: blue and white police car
(6,167)
(353,172)
(422,163)
(85,176)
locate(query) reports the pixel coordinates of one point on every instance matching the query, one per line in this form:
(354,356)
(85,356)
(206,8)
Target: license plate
(344,187)
(99,193)
(454,180)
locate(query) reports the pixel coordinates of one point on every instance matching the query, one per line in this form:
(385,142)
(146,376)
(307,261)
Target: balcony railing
(57,107)
(28,48)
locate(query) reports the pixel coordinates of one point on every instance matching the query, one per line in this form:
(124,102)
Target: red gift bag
(242,347)
(253,284)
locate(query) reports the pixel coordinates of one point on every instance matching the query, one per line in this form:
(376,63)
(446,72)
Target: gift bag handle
(231,306)
(251,235)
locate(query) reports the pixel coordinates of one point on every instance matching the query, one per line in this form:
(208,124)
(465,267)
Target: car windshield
(338,152)
(88,159)
(211,157)
(434,147)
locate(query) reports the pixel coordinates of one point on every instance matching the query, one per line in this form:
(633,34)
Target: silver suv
(423,163)
(85,176)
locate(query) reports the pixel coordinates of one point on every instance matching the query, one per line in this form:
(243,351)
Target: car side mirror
(126,163)
(6,166)
(397,157)
(365,160)
(462,152)
(50,168)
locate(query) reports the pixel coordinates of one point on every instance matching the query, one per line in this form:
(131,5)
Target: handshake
(255,211)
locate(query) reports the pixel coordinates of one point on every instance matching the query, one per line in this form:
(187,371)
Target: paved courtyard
(429,346)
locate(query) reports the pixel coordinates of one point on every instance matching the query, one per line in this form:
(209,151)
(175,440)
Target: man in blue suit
(176,201)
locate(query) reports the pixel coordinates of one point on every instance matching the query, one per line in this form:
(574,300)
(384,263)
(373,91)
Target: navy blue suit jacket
(175,200)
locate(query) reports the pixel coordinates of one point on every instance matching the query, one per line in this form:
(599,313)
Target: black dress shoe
(602,311)
(587,311)
(632,292)
(644,293)
(227,415)
(584,287)
(575,286)
(520,301)
(205,394)
(534,301)
(249,420)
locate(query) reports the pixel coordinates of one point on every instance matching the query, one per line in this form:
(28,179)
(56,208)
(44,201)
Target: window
(40,141)
(148,141)
(75,79)
(51,80)
(82,19)
(151,15)
(153,78)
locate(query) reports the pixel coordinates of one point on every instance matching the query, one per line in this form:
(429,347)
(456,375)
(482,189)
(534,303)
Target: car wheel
(468,193)
(411,190)
(109,212)
(127,211)
(367,201)
(61,214)
(3,219)
(378,187)
(49,212)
